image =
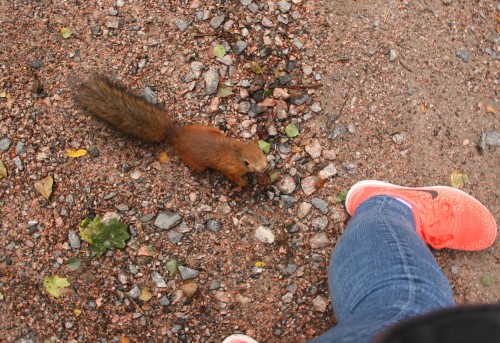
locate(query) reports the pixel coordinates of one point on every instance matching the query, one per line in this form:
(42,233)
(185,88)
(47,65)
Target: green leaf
(256,68)
(291,131)
(219,50)
(66,33)
(104,236)
(73,263)
(486,281)
(224,91)
(340,196)
(54,283)
(172,265)
(264,146)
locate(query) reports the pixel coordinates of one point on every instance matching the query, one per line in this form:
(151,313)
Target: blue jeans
(381,272)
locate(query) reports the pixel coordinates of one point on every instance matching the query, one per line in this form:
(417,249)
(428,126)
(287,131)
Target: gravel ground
(394,90)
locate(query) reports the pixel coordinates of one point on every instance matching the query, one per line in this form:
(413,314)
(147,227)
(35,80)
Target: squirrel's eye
(247,163)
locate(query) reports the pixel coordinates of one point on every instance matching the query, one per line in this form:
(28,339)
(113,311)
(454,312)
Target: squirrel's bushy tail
(129,113)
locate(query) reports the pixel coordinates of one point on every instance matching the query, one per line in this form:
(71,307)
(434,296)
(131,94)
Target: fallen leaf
(76,153)
(291,131)
(296,149)
(490,109)
(264,146)
(486,281)
(224,91)
(146,250)
(219,51)
(53,285)
(77,312)
(124,339)
(163,157)
(103,236)
(10,101)
(66,33)
(340,196)
(423,108)
(259,264)
(256,68)
(44,186)
(73,263)
(1,296)
(172,265)
(145,294)
(189,288)
(3,94)
(274,176)
(459,179)
(3,170)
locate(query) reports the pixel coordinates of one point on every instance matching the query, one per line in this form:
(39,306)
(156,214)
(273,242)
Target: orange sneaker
(239,338)
(445,217)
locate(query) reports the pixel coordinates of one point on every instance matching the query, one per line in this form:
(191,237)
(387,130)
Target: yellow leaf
(3,170)
(44,186)
(163,157)
(423,108)
(66,33)
(145,295)
(54,284)
(77,312)
(76,153)
(146,250)
(189,288)
(3,94)
(259,264)
(490,109)
(124,339)
(459,179)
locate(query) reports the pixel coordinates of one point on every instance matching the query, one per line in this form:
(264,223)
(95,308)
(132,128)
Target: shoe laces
(437,223)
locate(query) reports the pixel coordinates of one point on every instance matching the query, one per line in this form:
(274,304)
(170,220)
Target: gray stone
(253,7)
(181,24)
(113,23)
(94,152)
(462,54)
(245,2)
(350,168)
(213,225)
(174,237)
(142,63)
(134,292)
(320,223)
(255,110)
(327,172)
(35,63)
(188,273)
(489,138)
(288,201)
(292,288)
(244,107)
(164,301)
(290,269)
(299,100)
(19,148)
(147,218)
(239,47)
(287,184)
(112,11)
(320,204)
(158,279)
(399,138)
(211,80)
(319,240)
(338,131)
(284,6)
(132,269)
(5,144)
(167,220)
(74,240)
(264,234)
(217,21)
(109,196)
(214,285)
(19,164)
(149,95)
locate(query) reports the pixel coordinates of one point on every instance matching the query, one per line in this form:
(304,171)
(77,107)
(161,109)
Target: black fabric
(463,324)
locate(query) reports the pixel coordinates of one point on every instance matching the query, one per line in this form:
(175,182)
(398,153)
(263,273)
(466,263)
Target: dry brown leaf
(163,157)
(296,149)
(44,186)
(490,109)
(145,294)
(189,288)
(423,107)
(124,339)
(146,250)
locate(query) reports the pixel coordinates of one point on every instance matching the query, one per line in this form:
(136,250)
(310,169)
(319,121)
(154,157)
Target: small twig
(136,305)
(312,86)
(405,66)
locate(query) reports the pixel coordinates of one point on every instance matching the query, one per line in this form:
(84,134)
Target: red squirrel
(199,146)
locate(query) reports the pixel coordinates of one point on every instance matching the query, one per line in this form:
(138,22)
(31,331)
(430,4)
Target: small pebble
(319,240)
(320,204)
(149,95)
(320,303)
(188,273)
(158,279)
(213,225)
(19,164)
(164,301)
(167,220)
(239,47)
(309,185)
(264,234)
(135,292)
(399,138)
(181,24)
(217,21)
(463,54)
(290,269)
(214,285)
(174,237)
(287,184)
(35,63)
(211,80)
(288,201)
(74,239)
(5,144)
